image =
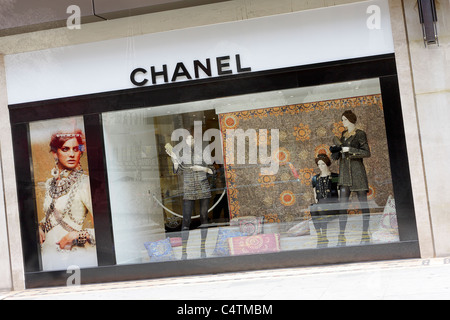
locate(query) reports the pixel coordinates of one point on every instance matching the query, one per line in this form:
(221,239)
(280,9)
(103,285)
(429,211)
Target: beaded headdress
(69,135)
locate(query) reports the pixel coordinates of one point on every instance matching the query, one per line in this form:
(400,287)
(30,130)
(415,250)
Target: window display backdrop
(307,128)
(306,132)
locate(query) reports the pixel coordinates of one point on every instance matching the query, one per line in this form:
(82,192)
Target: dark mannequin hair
(324,158)
(350,116)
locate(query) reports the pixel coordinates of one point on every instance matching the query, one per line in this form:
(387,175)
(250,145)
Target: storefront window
(286,170)
(63,196)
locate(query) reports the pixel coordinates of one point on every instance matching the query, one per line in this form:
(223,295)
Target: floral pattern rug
(305,130)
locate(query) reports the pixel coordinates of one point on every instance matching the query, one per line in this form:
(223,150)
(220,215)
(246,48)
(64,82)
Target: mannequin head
(349,119)
(323,163)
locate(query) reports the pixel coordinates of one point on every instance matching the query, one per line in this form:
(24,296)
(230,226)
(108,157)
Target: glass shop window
(286,170)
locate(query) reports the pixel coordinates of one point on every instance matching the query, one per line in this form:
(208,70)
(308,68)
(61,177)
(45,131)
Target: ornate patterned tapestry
(305,130)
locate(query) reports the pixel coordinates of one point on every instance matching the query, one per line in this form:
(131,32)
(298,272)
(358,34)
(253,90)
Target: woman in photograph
(351,149)
(67,206)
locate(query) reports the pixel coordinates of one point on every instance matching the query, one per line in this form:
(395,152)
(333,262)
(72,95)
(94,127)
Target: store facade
(209,149)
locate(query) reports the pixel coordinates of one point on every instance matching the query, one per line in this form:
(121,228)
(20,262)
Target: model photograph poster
(63,195)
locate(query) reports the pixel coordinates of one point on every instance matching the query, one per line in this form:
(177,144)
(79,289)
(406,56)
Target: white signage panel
(294,39)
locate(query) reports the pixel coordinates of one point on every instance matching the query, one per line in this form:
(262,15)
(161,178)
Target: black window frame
(91,108)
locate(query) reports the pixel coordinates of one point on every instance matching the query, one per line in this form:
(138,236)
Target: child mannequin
(326,194)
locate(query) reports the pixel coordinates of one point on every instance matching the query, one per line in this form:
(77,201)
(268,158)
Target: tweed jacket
(352,172)
(196,185)
(330,193)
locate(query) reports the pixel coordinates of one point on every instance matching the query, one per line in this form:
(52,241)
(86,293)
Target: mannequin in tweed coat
(196,187)
(350,150)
